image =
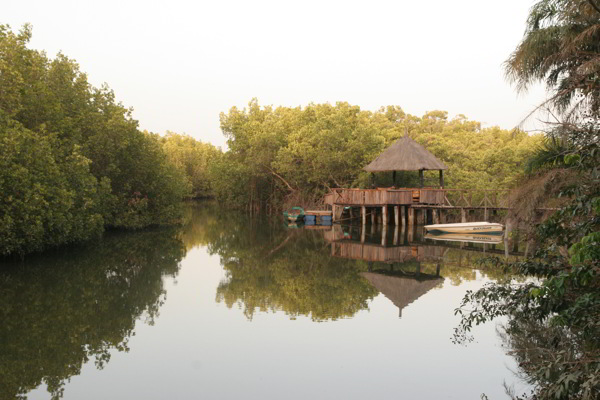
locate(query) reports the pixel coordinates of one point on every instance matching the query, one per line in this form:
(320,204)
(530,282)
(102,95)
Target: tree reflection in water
(269,268)
(61,309)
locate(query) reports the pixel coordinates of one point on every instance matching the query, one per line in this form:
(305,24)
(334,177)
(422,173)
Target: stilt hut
(407,155)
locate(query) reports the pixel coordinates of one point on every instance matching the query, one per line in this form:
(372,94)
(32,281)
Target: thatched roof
(400,290)
(405,155)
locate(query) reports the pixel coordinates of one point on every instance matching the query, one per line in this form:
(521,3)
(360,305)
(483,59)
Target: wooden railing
(476,198)
(455,198)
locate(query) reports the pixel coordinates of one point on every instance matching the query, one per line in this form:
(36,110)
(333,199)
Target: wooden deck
(433,197)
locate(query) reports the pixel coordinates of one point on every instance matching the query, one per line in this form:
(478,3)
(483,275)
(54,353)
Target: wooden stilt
(396,215)
(373,216)
(463,215)
(436,218)
(384,216)
(396,233)
(363,233)
(485,214)
(384,235)
(423,217)
(411,217)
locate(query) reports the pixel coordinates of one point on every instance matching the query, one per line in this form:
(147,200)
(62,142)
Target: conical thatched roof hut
(407,155)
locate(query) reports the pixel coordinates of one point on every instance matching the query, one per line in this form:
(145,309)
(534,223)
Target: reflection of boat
(465,237)
(481,228)
(296,214)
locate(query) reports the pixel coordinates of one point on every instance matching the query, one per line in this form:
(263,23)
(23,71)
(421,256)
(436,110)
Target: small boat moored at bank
(295,214)
(480,228)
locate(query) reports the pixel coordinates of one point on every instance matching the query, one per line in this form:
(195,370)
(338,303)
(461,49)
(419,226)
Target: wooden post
(485,214)
(396,232)
(373,216)
(396,215)
(463,215)
(442,216)
(421,177)
(384,235)
(384,216)
(442,178)
(363,233)
(422,216)
(436,218)
(403,215)
(363,211)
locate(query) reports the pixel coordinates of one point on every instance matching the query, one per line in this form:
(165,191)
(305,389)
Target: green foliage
(73,160)
(45,201)
(193,159)
(301,153)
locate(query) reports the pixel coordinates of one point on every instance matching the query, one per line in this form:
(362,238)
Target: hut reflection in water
(394,257)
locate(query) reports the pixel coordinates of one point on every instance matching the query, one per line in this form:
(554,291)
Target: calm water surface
(226,308)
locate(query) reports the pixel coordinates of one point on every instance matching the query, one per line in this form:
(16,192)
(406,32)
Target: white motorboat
(480,228)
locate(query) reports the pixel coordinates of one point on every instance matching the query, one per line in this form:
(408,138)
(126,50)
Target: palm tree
(561,47)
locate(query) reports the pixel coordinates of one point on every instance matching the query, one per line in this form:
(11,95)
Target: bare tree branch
(280,177)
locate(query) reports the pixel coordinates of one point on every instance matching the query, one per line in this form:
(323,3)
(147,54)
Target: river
(227,307)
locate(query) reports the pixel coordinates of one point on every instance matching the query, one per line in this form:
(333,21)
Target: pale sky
(180,63)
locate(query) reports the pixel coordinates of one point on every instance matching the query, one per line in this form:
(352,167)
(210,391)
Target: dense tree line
(298,154)
(72,159)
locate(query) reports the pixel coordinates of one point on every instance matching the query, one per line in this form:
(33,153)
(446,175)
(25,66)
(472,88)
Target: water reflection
(327,272)
(60,310)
